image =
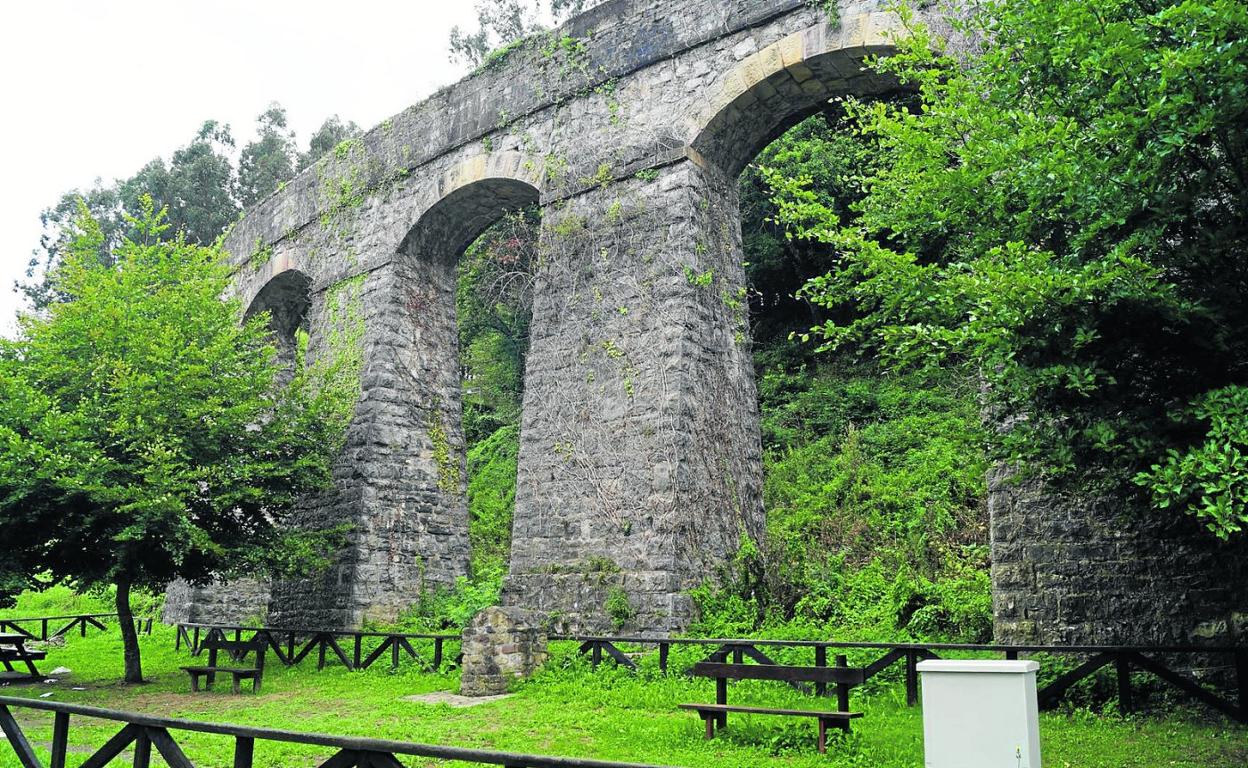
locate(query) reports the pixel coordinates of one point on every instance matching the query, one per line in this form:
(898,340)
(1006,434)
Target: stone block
(501,646)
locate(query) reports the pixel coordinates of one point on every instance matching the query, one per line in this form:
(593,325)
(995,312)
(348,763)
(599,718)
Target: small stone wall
(237,602)
(501,645)
(1072,571)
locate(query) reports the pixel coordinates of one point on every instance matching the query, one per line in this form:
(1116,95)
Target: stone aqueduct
(640,461)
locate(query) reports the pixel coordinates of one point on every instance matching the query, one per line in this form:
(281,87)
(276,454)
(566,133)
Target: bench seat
(8,654)
(713,714)
(236,651)
(237,673)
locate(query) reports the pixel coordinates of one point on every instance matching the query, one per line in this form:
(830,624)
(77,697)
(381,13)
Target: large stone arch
(774,88)
(422,413)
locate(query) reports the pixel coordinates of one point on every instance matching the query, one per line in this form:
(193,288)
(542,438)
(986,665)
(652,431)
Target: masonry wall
(640,459)
(1077,572)
(243,601)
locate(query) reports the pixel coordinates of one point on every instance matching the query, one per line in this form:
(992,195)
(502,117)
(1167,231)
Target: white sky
(96,88)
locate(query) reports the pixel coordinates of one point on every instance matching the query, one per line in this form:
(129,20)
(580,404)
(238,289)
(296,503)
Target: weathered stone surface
(1072,571)
(240,601)
(639,448)
(501,646)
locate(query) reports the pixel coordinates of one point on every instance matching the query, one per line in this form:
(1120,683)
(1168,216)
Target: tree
(195,187)
(331,133)
(103,204)
(830,151)
(269,161)
(143,438)
(1067,216)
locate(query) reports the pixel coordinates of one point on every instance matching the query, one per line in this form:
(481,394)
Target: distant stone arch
(286,298)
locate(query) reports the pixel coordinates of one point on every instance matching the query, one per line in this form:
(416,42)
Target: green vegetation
(144,437)
(492,499)
(876,525)
(570,710)
(1066,216)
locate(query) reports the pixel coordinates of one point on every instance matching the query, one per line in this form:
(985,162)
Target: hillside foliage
(1064,214)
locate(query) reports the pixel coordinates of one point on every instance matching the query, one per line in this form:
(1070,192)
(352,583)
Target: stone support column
(640,460)
(399,483)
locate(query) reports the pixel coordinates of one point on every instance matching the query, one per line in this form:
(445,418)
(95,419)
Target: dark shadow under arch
(287,299)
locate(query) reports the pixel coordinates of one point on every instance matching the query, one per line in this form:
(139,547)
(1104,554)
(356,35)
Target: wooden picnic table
(843,676)
(13,648)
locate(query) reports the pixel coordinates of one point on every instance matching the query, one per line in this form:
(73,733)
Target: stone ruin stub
(501,645)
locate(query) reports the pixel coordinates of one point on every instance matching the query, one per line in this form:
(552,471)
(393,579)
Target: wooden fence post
(821,660)
(912,678)
(842,689)
(60,739)
(142,750)
(1241,681)
(244,750)
(1123,670)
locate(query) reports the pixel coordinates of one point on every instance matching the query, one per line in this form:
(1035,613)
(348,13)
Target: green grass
(570,710)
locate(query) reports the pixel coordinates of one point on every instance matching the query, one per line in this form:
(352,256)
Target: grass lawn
(568,710)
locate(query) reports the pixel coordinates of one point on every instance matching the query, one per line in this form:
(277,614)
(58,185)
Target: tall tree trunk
(129,636)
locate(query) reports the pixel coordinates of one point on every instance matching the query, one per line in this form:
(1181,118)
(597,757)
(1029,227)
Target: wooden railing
(293,645)
(1124,659)
(143,732)
(80,620)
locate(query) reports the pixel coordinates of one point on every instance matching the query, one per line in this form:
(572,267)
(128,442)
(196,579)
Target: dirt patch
(454,699)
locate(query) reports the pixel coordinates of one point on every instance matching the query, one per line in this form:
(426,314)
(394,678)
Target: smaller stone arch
(776,87)
(287,298)
(470,197)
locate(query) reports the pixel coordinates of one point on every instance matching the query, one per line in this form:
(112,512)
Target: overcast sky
(96,88)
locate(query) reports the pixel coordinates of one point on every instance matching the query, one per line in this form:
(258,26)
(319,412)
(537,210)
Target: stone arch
(469,204)
(776,87)
(413,381)
(287,297)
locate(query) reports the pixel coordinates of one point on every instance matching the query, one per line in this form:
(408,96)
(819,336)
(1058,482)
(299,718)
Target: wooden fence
(1155,660)
(80,620)
(294,645)
(142,733)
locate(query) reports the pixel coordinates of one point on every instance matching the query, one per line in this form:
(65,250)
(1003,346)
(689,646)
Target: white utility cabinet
(980,714)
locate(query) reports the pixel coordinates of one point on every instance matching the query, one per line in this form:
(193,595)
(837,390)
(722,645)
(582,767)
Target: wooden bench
(237,652)
(13,649)
(716,714)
